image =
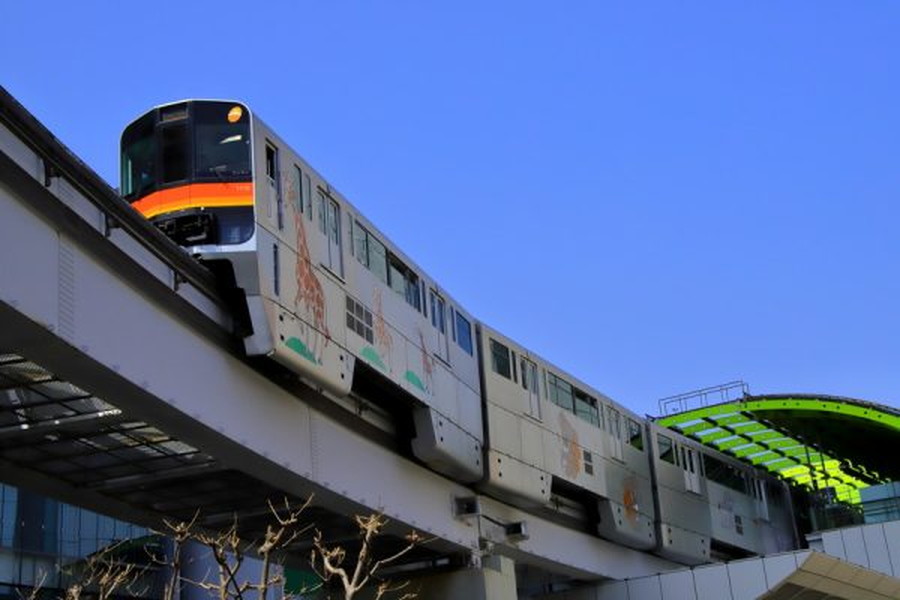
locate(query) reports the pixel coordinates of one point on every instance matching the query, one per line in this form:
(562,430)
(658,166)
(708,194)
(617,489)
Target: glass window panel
(360,244)
(666,448)
(298,189)
(307,195)
(412,291)
(377,258)
(222,146)
(397,280)
(464,333)
(139,159)
(174,145)
(320,210)
(500,359)
(635,434)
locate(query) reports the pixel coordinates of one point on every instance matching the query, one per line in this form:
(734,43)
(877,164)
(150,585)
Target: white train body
(330,298)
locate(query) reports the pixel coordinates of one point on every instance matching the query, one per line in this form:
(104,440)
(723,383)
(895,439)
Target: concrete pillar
(495,580)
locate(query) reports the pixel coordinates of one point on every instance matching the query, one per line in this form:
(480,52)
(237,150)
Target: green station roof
(811,440)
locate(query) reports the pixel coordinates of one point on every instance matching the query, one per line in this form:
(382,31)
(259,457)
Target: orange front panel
(195,195)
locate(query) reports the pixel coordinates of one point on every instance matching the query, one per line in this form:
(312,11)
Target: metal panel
(855,546)
(876,548)
(712,583)
(13,147)
(645,588)
(833,544)
(30,247)
(780,566)
(892,537)
(678,585)
(748,579)
(613,591)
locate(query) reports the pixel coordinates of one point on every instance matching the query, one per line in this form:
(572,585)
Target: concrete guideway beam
(66,304)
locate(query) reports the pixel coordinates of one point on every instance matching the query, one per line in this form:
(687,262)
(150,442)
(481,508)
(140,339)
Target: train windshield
(222,141)
(187,167)
(139,158)
(200,141)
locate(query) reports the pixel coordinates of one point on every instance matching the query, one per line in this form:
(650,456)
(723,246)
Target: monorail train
(329,297)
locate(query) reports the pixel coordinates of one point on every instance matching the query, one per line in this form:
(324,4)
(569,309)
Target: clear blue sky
(656,196)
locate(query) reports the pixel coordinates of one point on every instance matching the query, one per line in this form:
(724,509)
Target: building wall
(39,537)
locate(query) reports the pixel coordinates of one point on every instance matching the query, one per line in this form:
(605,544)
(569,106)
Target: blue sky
(656,196)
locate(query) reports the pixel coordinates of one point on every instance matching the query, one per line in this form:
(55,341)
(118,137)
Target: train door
(333,228)
(273,189)
(439,322)
(530,385)
(690,463)
(614,427)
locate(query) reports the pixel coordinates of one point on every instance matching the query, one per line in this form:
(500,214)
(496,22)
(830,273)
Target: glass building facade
(40,537)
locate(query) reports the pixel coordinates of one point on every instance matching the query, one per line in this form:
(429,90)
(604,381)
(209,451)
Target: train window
(359,319)
(666,448)
(306,195)
(524,375)
(464,335)
(370,252)
(560,392)
(297,192)
(613,422)
(320,210)
(499,357)
(271,163)
(586,407)
(276,280)
(724,474)
(438,314)
(422,295)
(515,375)
(635,434)
(274,183)
(174,153)
(531,385)
(222,142)
(403,281)
(138,159)
(588,462)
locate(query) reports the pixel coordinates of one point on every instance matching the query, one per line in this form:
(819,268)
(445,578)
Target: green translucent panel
(782,444)
(748,427)
(713,436)
(698,428)
(731,443)
(777,465)
(751,449)
(766,434)
(763,457)
(732,419)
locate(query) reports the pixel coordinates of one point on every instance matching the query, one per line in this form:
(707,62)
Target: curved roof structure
(812,440)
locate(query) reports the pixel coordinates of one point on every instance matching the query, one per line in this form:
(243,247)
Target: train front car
(325,293)
(201,171)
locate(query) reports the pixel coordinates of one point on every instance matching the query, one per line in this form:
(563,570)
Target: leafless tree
(279,536)
(327,561)
(179,533)
(105,574)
